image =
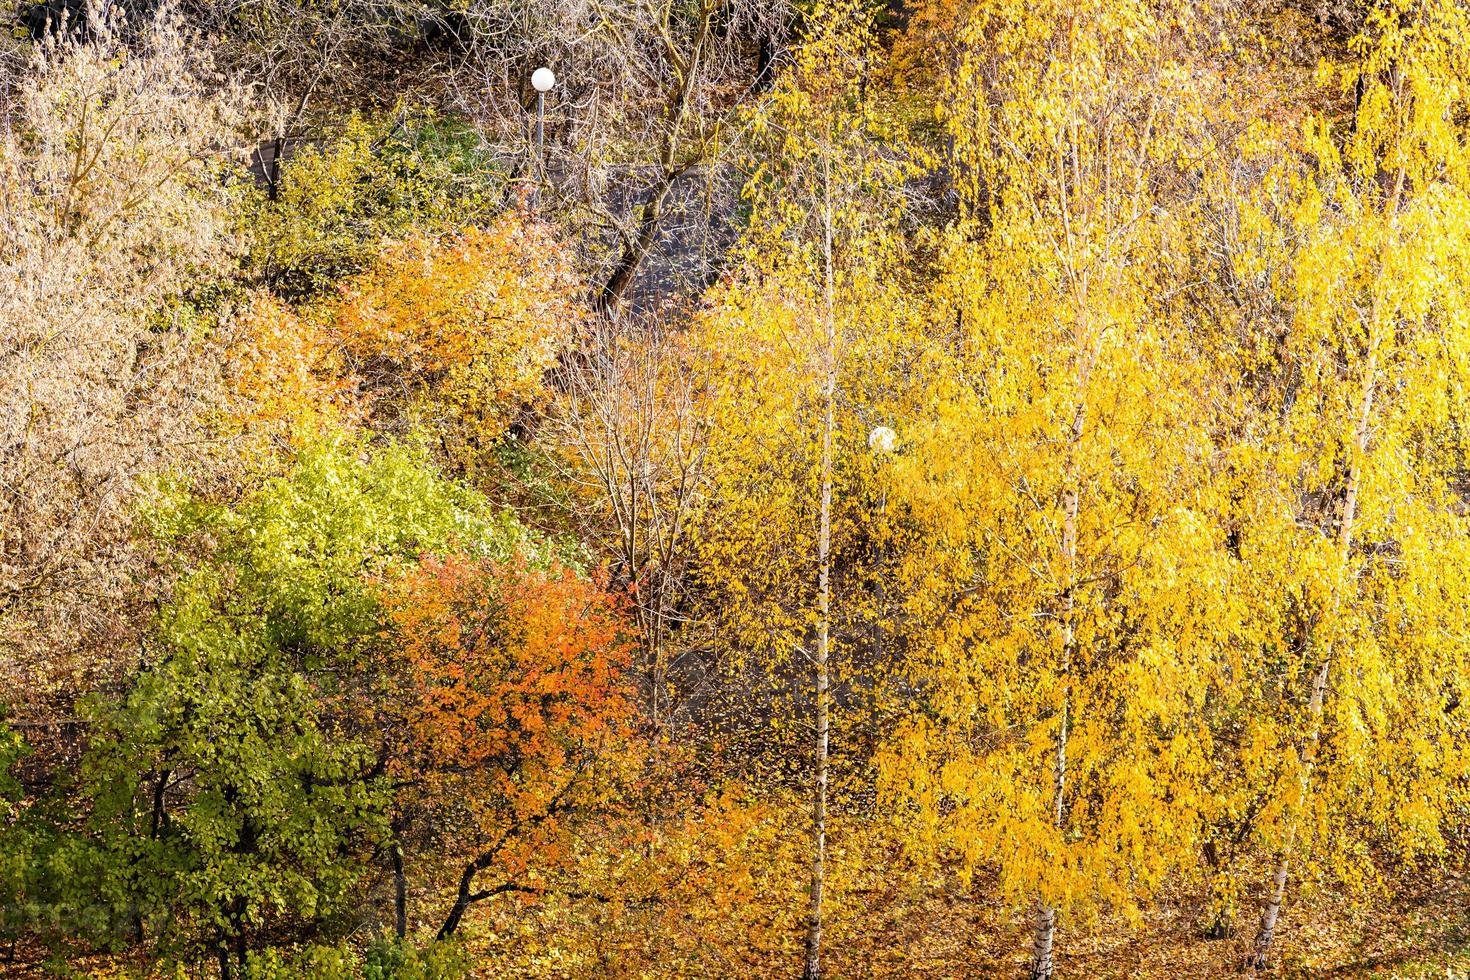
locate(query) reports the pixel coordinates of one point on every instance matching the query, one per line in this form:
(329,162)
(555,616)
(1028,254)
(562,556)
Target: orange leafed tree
(471,322)
(287,374)
(518,713)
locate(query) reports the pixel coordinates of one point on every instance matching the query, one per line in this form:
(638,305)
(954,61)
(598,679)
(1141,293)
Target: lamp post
(882,442)
(542,80)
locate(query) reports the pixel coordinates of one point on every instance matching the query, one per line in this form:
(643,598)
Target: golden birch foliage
(1352,543)
(1066,603)
(767,349)
(930,43)
(806,354)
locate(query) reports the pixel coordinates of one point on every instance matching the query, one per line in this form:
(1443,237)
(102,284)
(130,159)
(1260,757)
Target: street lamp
(542,80)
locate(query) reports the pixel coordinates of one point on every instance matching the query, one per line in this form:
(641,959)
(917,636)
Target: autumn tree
(463,327)
(369,181)
(113,224)
(629,433)
(237,789)
(1064,593)
(695,60)
(517,715)
(642,129)
(452,332)
(1353,531)
(286,379)
(807,353)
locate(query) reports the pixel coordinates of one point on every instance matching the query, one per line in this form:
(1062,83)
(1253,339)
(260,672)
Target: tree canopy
(924,489)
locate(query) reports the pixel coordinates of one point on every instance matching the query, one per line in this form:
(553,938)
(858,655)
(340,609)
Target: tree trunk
(1260,956)
(1222,926)
(273,171)
(461,903)
(1043,966)
(880,590)
(155,824)
(615,290)
(1042,963)
(241,946)
(1221,922)
(400,893)
(813,969)
(1307,754)
(222,954)
(765,64)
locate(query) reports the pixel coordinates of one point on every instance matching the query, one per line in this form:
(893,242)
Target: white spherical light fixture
(882,439)
(542,79)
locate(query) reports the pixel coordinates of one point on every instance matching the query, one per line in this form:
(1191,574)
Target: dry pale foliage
(111,203)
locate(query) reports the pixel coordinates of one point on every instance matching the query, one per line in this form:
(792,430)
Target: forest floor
(1424,932)
(936,934)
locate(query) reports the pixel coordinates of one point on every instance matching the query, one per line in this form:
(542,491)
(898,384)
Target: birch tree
(1062,601)
(805,350)
(1356,545)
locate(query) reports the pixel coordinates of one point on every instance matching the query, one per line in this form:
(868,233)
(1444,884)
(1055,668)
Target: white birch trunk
(813,966)
(1260,956)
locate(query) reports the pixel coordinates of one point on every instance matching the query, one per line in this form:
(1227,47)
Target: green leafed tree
(237,790)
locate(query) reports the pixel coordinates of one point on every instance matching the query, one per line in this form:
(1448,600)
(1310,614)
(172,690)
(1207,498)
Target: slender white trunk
(1307,753)
(1043,964)
(1260,956)
(1261,949)
(813,966)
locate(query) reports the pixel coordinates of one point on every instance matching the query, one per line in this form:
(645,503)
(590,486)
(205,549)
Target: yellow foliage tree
(1065,597)
(327,210)
(286,375)
(468,324)
(1351,541)
(806,350)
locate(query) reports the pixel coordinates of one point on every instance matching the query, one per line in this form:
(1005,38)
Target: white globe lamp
(542,80)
